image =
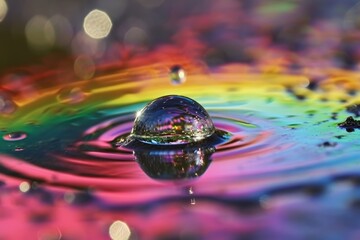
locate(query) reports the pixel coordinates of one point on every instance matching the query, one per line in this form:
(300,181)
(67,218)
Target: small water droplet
(172,120)
(327,144)
(354,109)
(15,136)
(177,75)
(350,124)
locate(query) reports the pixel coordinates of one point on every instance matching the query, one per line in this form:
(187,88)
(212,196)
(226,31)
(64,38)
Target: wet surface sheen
(276,157)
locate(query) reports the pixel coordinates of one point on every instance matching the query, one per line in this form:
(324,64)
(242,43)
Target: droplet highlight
(172,120)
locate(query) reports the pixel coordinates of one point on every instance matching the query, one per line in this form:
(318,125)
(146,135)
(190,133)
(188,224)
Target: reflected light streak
(97,24)
(119,230)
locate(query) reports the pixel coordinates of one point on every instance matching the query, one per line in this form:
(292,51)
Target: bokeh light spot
(63,30)
(84,67)
(97,24)
(136,36)
(69,197)
(119,230)
(40,33)
(24,187)
(3,10)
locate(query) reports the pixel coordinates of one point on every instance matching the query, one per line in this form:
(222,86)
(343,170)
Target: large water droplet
(172,120)
(177,74)
(15,136)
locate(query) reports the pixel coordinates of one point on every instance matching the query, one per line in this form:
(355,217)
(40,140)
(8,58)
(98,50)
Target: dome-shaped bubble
(172,120)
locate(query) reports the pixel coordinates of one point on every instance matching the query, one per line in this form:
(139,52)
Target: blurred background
(42,32)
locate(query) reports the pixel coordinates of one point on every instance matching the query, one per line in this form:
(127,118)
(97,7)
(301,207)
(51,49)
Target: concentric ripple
(267,135)
(65,152)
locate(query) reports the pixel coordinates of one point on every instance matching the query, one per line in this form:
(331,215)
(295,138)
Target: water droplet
(350,124)
(15,136)
(172,120)
(327,144)
(177,74)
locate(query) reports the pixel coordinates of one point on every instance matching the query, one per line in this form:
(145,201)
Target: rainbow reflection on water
(286,158)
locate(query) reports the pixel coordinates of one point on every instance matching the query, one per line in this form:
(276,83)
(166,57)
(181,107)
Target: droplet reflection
(174,163)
